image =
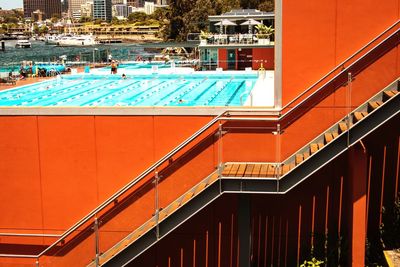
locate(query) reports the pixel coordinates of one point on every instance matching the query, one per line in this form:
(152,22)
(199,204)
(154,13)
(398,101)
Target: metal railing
(278,116)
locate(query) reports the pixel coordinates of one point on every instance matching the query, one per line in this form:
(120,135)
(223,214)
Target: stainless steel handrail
(339,66)
(172,152)
(29,235)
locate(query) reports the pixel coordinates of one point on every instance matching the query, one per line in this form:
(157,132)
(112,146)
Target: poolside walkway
(30,80)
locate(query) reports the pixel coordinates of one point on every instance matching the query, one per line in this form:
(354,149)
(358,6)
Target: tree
(137,17)
(85,19)
(267,6)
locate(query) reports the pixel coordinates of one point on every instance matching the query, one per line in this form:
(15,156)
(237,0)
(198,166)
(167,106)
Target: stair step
(357,116)
(306,155)
(342,127)
(285,168)
(263,170)
(299,158)
(249,170)
(334,135)
(233,170)
(200,188)
(241,170)
(227,169)
(256,170)
(328,137)
(389,94)
(271,171)
(374,105)
(313,148)
(187,197)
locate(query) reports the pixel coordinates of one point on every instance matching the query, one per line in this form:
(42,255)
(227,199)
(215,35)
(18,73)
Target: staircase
(242,177)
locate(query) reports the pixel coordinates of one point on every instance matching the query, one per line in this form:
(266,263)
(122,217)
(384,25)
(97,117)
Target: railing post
(220,165)
(37,262)
(96,240)
(278,155)
(348,122)
(156,203)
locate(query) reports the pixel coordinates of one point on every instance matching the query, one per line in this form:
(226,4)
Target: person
(113,67)
(123,76)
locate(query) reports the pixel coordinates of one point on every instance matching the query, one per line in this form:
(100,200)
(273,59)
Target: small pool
(135,90)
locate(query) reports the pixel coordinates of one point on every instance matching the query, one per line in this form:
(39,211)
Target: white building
(148,8)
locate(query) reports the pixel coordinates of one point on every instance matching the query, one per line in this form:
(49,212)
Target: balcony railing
(234,39)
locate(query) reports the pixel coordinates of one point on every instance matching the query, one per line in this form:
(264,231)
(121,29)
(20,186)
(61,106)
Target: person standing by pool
(113,67)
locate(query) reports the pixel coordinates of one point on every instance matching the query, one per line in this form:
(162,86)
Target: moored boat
(23,44)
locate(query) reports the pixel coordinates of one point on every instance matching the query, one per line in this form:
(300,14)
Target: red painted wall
(317,36)
(55,169)
(223,58)
(265,56)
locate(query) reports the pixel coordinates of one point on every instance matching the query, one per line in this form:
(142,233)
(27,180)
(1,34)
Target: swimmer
(180,101)
(123,76)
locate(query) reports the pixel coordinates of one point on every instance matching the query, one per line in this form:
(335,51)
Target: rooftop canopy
(243,14)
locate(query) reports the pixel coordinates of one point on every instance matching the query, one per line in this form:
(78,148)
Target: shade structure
(251,23)
(225,23)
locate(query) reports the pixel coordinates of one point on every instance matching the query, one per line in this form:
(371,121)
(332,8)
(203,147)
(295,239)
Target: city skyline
(7,4)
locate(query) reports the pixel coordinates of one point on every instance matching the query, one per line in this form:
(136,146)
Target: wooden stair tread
(256,170)
(299,158)
(306,155)
(264,170)
(313,148)
(249,170)
(233,170)
(271,171)
(328,137)
(241,170)
(227,169)
(342,127)
(357,116)
(334,135)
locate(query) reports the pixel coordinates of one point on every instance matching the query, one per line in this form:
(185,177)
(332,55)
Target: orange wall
(317,36)
(55,169)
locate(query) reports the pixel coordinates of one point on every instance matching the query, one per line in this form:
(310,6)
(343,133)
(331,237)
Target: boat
(51,39)
(77,40)
(23,44)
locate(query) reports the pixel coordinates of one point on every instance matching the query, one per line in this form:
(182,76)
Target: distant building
(47,7)
(74,7)
(118,2)
(120,11)
(102,10)
(37,15)
(87,9)
(148,8)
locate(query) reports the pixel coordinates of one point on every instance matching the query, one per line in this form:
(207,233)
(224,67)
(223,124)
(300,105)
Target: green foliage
(97,21)
(264,31)
(137,17)
(186,16)
(85,19)
(312,263)
(268,6)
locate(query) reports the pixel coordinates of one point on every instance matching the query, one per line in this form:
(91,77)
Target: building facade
(74,7)
(102,10)
(87,9)
(48,7)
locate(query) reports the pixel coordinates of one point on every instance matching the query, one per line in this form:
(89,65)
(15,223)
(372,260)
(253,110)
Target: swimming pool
(138,90)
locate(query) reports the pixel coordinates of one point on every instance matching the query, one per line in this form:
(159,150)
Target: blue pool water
(139,90)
